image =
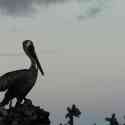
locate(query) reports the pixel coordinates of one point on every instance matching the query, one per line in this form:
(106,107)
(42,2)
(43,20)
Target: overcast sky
(81,47)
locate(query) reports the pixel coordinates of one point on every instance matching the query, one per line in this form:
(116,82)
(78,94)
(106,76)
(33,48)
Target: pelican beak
(38,63)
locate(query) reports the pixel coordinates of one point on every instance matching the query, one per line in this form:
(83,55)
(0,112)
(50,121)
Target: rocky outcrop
(24,114)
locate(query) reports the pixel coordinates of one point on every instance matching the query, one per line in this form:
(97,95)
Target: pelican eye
(28,44)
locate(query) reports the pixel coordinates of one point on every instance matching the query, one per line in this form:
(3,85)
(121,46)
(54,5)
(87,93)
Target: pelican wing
(3,84)
(8,79)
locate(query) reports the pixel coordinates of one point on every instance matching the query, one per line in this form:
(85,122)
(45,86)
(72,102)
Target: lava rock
(24,114)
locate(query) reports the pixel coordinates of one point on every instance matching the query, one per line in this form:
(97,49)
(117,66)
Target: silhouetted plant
(72,112)
(113,120)
(124,119)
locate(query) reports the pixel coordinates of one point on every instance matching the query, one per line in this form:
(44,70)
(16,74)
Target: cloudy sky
(80,44)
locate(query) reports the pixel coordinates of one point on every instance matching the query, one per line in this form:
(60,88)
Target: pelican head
(29,49)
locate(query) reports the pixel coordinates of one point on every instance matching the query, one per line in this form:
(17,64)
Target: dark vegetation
(113,120)
(72,112)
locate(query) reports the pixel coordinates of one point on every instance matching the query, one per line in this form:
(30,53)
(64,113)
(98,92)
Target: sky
(80,45)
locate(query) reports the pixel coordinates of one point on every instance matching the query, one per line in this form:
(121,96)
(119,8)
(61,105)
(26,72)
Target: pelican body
(19,83)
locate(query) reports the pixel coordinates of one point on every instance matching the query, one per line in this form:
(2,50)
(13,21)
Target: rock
(24,114)
(3,112)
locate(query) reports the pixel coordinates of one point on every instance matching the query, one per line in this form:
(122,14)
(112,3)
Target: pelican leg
(19,100)
(10,104)
(6,99)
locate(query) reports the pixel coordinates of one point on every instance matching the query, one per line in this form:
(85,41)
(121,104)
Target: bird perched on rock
(18,84)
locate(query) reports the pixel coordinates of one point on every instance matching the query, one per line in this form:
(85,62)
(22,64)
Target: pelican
(18,84)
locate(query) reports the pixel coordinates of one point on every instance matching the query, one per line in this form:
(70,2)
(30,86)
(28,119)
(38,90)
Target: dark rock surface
(24,114)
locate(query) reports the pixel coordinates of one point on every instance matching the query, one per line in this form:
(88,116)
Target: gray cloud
(22,7)
(92,8)
(89,8)
(91,12)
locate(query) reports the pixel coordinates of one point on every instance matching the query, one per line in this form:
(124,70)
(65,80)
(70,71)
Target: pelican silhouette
(18,83)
